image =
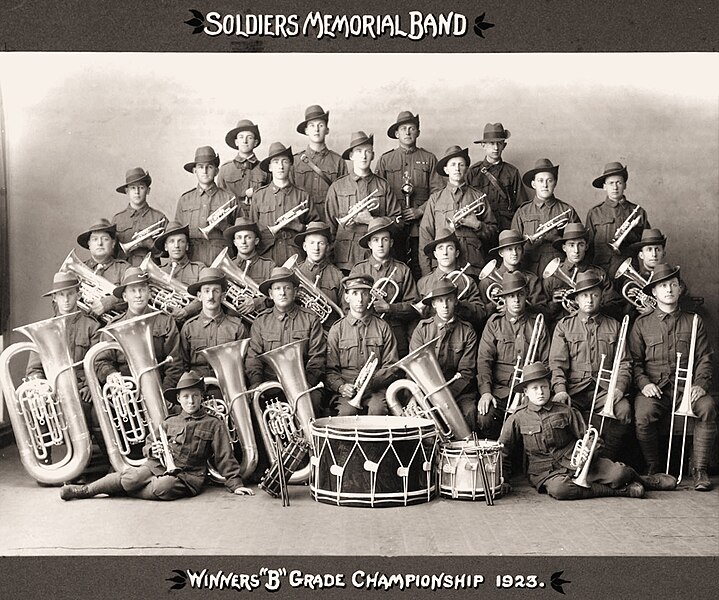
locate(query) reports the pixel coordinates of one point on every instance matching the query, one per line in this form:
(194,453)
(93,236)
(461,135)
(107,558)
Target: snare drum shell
(458,472)
(373,461)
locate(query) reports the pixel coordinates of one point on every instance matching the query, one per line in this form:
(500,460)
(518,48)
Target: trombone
(685,375)
(516,398)
(150,232)
(558,222)
(294,213)
(477,206)
(369,202)
(630,223)
(217,216)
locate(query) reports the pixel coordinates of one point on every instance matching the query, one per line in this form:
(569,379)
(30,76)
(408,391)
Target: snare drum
(459,473)
(372,460)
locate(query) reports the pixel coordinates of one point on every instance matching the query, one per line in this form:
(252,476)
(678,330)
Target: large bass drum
(372,461)
(460,475)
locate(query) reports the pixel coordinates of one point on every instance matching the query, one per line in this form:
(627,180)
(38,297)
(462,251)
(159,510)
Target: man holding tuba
(135,291)
(176,464)
(351,342)
(549,432)
(655,342)
(456,348)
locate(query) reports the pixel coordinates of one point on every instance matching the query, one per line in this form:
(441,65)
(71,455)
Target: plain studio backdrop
(76,122)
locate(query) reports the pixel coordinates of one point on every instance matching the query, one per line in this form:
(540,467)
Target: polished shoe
(68,492)
(659,482)
(701,480)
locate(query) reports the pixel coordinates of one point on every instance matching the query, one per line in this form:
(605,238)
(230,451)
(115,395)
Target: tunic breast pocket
(506,351)
(654,349)
(301,333)
(606,346)
(557,426)
(531,436)
(125,233)
(201,442)
(344,201)
(190,215)
(683,343)
(349,351)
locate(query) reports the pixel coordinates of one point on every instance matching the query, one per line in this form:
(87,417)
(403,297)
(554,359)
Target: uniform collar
(367,177)
(549,203)
(454,189)
(407,150)
(183,262)
(488,165)
(210,191)
(205,320)
(621,203)
(534,408)
(377,265)
(277,190)
(290,313)
(312,153)
(661,315)
(312,265)
(520,319)
(199,414)
(364,320)
(251,159)
(441,324)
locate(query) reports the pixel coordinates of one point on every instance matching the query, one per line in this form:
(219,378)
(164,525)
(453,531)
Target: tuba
(92,286)
(227,360)
(552,270)
(166,293)
(495,288)
(632,289)
(150,232)
(369,202)
(47,413)
(239,284)
(515,400)
(128,408)
(430,392)
(309,295)
(582,456)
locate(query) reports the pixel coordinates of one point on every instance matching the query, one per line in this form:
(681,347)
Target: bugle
(47,414)
(514,400)
(558,222)
(553,270)
(217,216)
(150,232)
(630,223)
(294,213)
(632,290)
(369,202)
(477,207)
(167,294)
(310,295)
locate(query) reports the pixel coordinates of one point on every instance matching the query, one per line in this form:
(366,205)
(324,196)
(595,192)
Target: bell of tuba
(92,285)
(53,417)
(130,409)
(239,284)
(227,360)
(166,292)
(309,295)
(426,374)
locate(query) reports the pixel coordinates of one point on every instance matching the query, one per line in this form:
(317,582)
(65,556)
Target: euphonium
(42,420)
(309,295)
(294,213)
(227,362)
(424,369)
(369,202)
(630,223)
(92,286)
(552,270)
(149,233)
(477,206)
(239,284)
(632,289)
(558,222)
(495,288)
(166,292)
(128,409)
(582,455)
(217,216)
(288,364)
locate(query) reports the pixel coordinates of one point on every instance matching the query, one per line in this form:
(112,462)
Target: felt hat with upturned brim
(276,149)
(404,117)
(494,132)
(188,380)
(512,283)
(358,139)
(204,154)
(612,168)
(377,225)
(135,175)
(208,276)
(242,125)
(103,225)
(314,228)
(650,237)
(543,165)
(585,281)
(173,228)
(507,238)
(442,288)
(62,281)
(573,231)
(276,275)
(132,276)
(441,236)
(661,273)
(449,154)
(532,372)
(313,113)
(241,224)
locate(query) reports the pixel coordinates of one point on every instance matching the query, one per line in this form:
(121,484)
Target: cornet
(362,380)
(514,400)
(552,270)
(477,206)
(294,213)
(582,456)
(495,288)
(310,295)
(558,222)
(369,202)
(629,223)
(632,289)
(217,216)
(149,233)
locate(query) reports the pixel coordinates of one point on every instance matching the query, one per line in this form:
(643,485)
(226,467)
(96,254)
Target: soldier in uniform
(138,215)
(456,346)
(410,172)
(347,191)
(197,204)
(242,175)
(350,343)
(540,210)
(603,220)
(316,167)
(274,200)
(498,179)
(475,233)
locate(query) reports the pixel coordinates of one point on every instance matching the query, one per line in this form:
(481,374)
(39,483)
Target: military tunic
(131,221)
(470,308)
(237,175)
(303,176)
(202,332)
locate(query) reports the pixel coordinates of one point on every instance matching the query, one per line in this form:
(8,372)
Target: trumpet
(92,286)
(630,223)
(582,456)
(552,270)
(379,289)
(310,295)
(149,233)
(362,380)
(369,202)
(431,397)
(516,398)
(632,289)
(166,293)
(495,288)
(558,222)
(685,376)
(477,206)
(239,284)
(217,216)
(294,213)
(454,277)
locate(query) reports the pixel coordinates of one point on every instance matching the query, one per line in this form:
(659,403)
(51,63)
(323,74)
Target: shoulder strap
(495,183)
(306,159)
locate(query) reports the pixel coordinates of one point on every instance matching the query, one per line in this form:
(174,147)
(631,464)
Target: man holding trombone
(670,342)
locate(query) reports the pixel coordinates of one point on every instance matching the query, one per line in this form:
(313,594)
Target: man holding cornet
(353,344)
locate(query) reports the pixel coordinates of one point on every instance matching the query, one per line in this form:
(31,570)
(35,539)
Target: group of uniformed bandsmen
(406,269)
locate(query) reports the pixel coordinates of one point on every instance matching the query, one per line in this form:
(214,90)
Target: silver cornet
(294,213)
(582,456)
(477,206)
(632,289)
(362,380)
(217,216)
(552,270)
(149,233)
(558,222)
(369,202)
(629,223)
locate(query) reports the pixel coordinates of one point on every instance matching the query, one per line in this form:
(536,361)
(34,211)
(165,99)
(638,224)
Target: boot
(648,439)
(109,484)
(631,490)
(701,480)
(613,438)
(658,481)
(704,436)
